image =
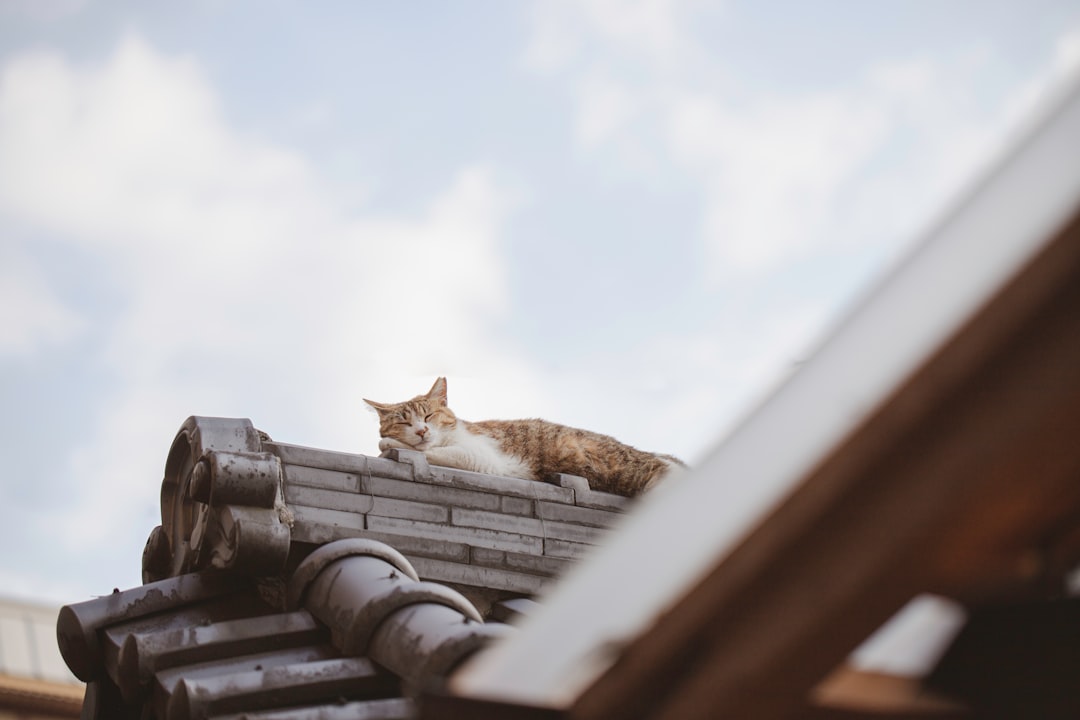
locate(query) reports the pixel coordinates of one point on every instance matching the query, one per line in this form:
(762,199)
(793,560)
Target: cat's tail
(673,462)
(673,467)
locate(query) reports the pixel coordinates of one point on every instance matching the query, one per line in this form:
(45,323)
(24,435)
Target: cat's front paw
(388,443)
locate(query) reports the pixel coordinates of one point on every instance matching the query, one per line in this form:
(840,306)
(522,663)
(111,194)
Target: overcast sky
(634,217)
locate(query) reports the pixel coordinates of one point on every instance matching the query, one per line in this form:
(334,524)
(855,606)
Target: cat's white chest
(467,451)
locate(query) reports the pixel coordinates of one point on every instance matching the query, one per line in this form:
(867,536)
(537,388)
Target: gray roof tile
(290,583)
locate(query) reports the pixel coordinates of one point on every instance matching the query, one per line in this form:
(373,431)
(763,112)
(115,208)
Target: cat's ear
(438,391)
(379,408)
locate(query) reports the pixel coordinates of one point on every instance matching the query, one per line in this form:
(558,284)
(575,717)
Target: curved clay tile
(369,596)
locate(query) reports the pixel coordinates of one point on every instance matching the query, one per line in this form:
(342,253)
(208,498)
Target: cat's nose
(422,432)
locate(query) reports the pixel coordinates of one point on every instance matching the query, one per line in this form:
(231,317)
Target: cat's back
(549,448)
(533,437)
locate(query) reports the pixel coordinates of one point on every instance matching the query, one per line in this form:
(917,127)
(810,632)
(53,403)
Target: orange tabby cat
(531,449)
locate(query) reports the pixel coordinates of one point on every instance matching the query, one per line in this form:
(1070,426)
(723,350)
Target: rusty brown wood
(849,693)
(40,698)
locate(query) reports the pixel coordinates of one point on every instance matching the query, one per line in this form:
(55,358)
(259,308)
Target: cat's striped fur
(533,449)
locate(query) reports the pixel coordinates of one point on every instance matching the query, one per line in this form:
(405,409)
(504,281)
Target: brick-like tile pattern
(455,526)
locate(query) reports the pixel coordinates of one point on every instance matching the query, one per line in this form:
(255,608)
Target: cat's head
(420,423)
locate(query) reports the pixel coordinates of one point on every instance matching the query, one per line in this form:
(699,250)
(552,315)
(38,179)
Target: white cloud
(133,145)
(555,36)
(650,27)
(1067,52)
(31,315)
(564,30)
(785,174)
(245,289)
(774,171)
(838,178)
(862,165)
(606,107)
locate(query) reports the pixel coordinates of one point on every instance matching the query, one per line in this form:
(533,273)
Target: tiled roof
(475,532)
(360,631)
(232,498)
(290,583)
